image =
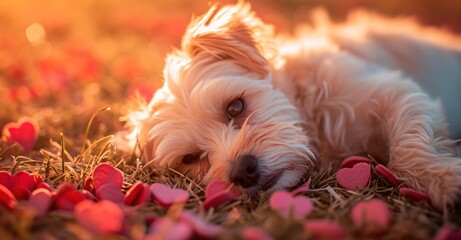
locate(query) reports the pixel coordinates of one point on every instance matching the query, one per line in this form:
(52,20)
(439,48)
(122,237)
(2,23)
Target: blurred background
(108,49)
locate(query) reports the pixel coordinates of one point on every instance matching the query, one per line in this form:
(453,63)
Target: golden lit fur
(332,91)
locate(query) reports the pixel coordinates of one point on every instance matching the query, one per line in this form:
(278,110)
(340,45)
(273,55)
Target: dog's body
(240,105)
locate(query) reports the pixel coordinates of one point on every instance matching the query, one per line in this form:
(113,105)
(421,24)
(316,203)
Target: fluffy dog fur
(331,91)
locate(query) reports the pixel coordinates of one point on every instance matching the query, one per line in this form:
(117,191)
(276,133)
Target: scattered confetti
(355,178)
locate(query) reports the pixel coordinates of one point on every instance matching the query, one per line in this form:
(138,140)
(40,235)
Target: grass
(77,128)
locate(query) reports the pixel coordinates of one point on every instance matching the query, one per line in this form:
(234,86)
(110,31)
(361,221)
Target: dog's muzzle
(245,171)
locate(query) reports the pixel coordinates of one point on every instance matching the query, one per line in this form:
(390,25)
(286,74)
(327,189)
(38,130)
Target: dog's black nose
(245,172)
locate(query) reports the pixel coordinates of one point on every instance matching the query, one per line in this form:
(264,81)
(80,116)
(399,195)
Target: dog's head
(218,115)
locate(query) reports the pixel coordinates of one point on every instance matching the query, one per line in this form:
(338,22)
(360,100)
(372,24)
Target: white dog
(242,105)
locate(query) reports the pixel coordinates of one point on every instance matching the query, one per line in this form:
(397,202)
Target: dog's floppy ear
(231,32)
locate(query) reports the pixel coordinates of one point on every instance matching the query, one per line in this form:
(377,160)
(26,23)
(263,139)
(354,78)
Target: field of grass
(73,68)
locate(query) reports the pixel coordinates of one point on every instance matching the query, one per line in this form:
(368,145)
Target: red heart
(7,198)
(6,179)
(67,196)
(105,173)
(138,194)
(110,192)
(88,185)
(166,196)
(104,217)
(202,228)
(40,200)
(218,193)
(415,195)
(24,133)
(355,178)
(352,160)
(166,228)
(372,216)
(25,180)
(325,229)
(287,205)
(387,174)
(255,233)
(21,193)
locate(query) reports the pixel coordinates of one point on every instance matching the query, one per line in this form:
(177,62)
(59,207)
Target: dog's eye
(235,107)
(191,158)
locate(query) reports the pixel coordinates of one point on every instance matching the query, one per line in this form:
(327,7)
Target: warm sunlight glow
(35,33)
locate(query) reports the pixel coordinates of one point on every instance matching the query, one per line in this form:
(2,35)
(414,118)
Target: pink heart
(202,228)
(40,200)
(415,195)
(24,133)
(446,232)
(301,189)
(325,229)
(166,228)
(7,198)
(218,193)
(67,197)
(355,178)
(110,192)
(372,216)
(352,160)
(105,173)
(104,217)
(287,205)
(387,174)
(138,194)
(166,196)
(44,185)
(255,233)
(6,179)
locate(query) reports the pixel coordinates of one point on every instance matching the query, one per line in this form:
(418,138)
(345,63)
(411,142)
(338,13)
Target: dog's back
(429,56)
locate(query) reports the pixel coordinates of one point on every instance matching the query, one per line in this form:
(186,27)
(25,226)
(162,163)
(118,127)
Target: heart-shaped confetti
(7,198)
(40,200)
(166,228)
(44,185)
(24,133)
(325,229)
(138,194)
(110,192)
(413,194)
(352,160)
(287,205)
(6,179)
(446,232)
(105,173)
(25,180)
(88,195)
(355,178)
(372,216)
(388,175)
(21,193)
(304,188)
(88,185)
(218,193)
(104,217)
(255,233)
(67,197)
(202,228)
(166,196)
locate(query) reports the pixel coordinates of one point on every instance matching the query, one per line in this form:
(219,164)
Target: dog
(258,110)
